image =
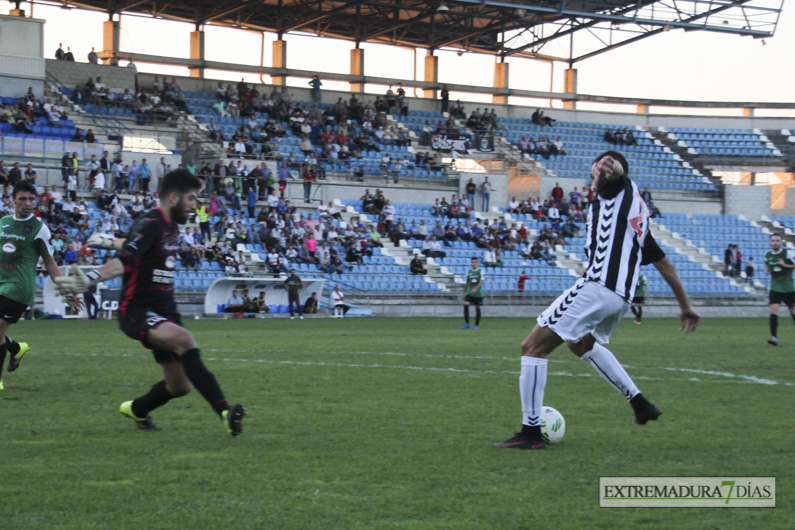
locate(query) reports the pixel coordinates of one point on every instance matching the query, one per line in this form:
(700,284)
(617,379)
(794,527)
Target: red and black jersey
(150,259)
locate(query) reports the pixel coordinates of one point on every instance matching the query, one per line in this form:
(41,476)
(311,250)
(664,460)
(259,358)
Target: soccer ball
(553,426)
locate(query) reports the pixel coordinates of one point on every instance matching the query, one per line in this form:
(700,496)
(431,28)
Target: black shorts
(639,300)
(474,300)
(136,323)
(11,310)
(788,299)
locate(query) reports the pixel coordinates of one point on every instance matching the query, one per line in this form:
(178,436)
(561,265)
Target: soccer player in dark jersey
(23,240)
(147,310)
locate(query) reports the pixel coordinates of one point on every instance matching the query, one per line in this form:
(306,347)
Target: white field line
(729,377)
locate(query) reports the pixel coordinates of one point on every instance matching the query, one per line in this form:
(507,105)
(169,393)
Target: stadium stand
(652,166)
(287,142)
(723,142)
(714,233)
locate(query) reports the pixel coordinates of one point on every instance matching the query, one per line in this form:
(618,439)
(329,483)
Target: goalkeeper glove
(76,283)
(100,240)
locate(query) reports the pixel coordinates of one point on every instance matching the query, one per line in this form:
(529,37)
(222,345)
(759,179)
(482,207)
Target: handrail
(111,126)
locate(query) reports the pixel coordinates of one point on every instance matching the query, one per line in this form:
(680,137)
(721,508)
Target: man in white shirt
(322,210)
(513,205)
(553,212)
(56,195)
(338,300)
(68,205)
(188,239)
(273,261)
(99,180)
(389,212)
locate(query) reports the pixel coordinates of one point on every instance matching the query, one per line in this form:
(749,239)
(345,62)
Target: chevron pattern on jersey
(603,227)
(557,313)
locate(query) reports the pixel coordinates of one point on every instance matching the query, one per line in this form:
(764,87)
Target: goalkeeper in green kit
(23,240)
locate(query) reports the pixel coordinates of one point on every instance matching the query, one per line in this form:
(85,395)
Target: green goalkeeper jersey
(473,278)
(22,243)
(780,277)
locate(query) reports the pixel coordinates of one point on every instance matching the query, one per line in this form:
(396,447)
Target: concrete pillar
(111,35)
(197,52)
(500,81)
(570,87)
(279,61)
(431,74)
(357,68)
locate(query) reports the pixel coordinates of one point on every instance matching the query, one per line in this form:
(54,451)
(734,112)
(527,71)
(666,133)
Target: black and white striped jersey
(616,232)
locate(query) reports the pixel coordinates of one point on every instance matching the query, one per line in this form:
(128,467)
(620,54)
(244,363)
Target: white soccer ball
(553,426)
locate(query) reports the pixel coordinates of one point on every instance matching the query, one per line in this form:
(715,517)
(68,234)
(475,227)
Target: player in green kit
(473,294)
(23,240)
(639,299)
(779,263)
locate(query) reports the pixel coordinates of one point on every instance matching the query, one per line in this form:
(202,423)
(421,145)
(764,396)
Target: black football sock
(12,346)
(157,396)
(640,313)
(203,380)
(2,358)
(534,431)
(773,325)
(466,314)
(634,311)
(477,316)
(793,318)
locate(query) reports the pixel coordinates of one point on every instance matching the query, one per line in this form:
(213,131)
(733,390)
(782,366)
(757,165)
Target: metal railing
(108,125)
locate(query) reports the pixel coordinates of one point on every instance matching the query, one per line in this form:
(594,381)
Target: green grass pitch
(386,423)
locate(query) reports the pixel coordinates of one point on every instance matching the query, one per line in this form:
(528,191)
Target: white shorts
(587,307)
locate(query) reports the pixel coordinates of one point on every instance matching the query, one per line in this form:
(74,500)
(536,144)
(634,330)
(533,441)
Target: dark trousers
(294,299)
(92,307)
(205,229)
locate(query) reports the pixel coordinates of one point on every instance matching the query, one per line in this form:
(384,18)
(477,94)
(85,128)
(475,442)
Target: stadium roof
(579,29)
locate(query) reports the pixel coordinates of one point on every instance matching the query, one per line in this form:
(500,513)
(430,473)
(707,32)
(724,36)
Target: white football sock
(531,388)
(608,367)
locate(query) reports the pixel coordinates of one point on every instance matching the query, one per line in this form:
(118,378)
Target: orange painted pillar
(431,74)
(111,35)
(197,52)
(500,81)
(279,61)
(357,68)
(570,87)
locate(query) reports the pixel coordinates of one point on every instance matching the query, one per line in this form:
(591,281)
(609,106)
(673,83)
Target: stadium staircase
(781,225)
(688,159)
(783,140)
(697,254)
(194,141)
(401,254)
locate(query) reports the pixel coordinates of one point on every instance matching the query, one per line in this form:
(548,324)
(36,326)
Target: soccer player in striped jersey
(586,315)
(23,240)
(147,310)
